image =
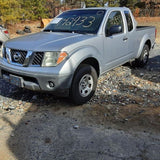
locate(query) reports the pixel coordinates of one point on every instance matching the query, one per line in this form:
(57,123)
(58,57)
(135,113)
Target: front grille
(22,57)
(38,57)
(18,56)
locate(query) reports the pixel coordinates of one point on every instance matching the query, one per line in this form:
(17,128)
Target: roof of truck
(103,8)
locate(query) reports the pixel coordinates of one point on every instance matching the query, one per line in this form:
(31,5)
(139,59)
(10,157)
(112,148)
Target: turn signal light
(61,57)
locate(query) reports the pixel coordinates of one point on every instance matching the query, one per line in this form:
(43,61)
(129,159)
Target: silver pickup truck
(77,47)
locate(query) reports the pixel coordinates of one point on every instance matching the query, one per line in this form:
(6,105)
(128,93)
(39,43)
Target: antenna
(83,5)
(106,5)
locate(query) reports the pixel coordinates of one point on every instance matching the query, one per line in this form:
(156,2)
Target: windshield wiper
(82,32)
(47,30)
(67,31)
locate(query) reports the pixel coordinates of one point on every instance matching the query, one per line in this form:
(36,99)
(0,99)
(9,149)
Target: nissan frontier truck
(74,49)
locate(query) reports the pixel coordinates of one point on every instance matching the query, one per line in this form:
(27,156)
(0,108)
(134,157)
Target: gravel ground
(121,122)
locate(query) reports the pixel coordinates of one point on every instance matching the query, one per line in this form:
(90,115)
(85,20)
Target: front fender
(84,53)
(78,56)
(142,43)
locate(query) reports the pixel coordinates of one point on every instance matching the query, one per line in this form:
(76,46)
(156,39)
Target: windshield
(78,21)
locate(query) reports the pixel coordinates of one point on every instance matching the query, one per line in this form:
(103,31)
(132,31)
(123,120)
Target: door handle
(125,39)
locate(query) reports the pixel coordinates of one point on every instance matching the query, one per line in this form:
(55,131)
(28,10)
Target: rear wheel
(143,59)
(84,84)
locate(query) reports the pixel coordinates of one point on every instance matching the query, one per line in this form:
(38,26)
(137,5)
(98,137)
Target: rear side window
(129,20)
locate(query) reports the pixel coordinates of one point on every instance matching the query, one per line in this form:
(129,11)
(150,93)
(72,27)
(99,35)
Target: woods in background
(12,11)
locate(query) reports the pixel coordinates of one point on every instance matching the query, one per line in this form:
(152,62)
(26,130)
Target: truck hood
(46,41)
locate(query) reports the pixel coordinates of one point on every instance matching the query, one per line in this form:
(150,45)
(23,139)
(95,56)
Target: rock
(12,107)
(109,93)
(5,106)
(33,108)
(21,110)
(75,126)
(12,134)
(20,32)
(109,107)
(34,97)
(64,113)
(47,140)
(20,102)
(141,74)
(27,27)
(2,127)
(27,30)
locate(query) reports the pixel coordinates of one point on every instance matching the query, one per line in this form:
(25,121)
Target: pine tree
(33,9)
(113,3)
(9,11)
(123,3)
(131,3)
(50,6)
(40,9)
(128,3)
(91,3)
(101,3)
(26,9)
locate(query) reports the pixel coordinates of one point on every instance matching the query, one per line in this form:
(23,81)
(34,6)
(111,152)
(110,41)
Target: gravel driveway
(121,122)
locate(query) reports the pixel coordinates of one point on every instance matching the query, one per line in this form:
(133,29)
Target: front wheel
(84,84)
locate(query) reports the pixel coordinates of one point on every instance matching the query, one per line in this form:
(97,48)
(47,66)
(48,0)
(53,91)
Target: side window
(114,19)
(129,20)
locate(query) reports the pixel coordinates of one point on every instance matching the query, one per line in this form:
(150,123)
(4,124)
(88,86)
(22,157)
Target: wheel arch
(145,40)
(88,61)
(87,66)
(93,62)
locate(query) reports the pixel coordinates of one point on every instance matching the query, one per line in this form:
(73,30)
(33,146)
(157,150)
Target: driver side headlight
(52,59)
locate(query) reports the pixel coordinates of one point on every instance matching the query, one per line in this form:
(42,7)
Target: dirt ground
(121,122)
(35,27)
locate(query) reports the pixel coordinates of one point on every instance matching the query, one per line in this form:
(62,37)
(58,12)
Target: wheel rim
(86,85)
(145,56)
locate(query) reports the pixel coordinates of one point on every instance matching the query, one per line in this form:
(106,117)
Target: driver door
(116,45)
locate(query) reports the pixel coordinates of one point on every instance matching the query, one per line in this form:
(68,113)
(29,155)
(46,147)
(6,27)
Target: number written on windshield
(78,21)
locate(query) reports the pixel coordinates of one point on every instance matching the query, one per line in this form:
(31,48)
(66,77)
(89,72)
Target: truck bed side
(144,34)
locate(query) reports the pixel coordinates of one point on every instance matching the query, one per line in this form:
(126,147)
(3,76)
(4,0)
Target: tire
(84,84)
(143,59)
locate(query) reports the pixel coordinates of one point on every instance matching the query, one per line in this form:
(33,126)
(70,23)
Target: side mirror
(114,30)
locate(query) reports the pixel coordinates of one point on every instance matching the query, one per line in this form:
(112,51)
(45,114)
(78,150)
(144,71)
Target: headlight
(52,59)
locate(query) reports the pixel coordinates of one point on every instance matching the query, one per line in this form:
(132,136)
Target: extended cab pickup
(76,48)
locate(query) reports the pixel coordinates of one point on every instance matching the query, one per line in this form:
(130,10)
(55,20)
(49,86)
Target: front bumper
(37,78)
